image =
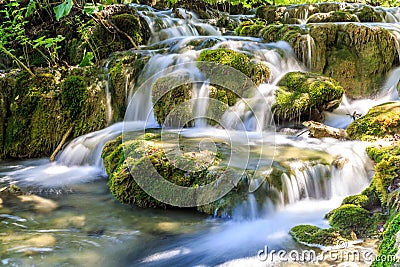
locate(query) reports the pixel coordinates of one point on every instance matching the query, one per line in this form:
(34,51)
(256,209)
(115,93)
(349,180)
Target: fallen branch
(61,144)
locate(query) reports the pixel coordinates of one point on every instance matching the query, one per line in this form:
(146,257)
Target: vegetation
(381,121)
(314,236)
(389,245)
(306,94)
(144,155)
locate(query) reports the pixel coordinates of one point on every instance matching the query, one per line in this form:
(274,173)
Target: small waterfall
(167,24)
(306,181)
(340,118)
(109,110)
(86,149)
(201,100)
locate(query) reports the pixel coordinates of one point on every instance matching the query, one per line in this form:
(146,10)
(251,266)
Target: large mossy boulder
(381,121)
(306,95)
(357,56)
(39,110)
(349,217)
(122,159)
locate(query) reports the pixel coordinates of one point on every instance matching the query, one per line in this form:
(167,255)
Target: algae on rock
(306,95)
(357,56)
(381,121)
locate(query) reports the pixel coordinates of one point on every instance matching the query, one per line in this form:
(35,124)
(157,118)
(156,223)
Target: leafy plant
(63,9)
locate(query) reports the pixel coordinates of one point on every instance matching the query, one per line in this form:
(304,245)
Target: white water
(310,190)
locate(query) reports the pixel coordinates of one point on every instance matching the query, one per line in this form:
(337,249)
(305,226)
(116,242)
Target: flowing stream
(77,222)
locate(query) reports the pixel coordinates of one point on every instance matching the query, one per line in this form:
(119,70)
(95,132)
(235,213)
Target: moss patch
(349,217)
(314,236)
(389,245)
(258,72)
(306,95)
(380,122)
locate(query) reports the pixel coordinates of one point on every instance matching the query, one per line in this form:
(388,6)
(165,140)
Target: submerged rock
(306,95)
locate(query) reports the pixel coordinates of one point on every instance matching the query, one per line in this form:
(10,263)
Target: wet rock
(70,222)
(319,130)
(381,121)
(306,95)
(357,56)
(320,12)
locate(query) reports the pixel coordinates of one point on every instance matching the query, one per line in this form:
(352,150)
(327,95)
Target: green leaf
(89,9)
(63,9)
(87,60)
(30,8)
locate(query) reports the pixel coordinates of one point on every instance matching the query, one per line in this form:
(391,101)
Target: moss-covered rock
(306,95)
(123,158)
(124,69)
(381,121)
(48,105)
(349,217)
(333,16)
(389,247)
(73,95)
(256,71)
(311,235)
(250,28)
(357,56)
(319,12)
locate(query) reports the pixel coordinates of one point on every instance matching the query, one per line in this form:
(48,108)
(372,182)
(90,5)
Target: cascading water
(311,185)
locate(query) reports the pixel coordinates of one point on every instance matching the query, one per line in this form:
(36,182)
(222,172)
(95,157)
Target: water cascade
(316,174)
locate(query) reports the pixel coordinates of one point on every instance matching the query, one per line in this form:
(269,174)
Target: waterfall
(340,118)
(109,110)
(167,24)
(201,98)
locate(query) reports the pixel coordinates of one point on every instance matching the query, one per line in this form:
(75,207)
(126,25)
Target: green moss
(378,154)
(170,103)
(258,72)
(48,105)
(333,16)
(350,217)
(106,41)
(144,148)
(74,95)
(301,93)
(249,28)
(357,56)
(124,70)
(313,235)
(380,121)
(386,171)
(357,200)
(389,245)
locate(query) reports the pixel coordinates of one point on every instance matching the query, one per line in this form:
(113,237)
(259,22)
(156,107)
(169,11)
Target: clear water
(71,218)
